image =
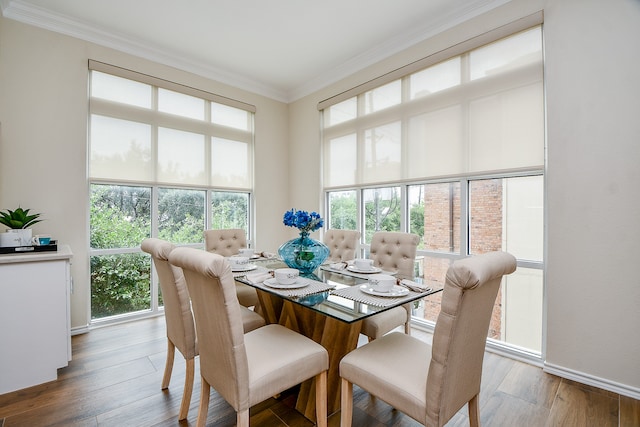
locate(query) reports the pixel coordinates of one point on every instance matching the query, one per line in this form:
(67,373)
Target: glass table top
(348,308)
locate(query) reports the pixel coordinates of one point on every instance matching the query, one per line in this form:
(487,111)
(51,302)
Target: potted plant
(18,221)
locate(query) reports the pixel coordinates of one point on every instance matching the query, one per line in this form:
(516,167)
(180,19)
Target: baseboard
(79,330)
(581,377)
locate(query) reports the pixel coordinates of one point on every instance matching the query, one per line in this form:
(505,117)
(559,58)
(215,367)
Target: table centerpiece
(303,252)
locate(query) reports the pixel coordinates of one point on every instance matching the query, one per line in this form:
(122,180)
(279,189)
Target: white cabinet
(35,330)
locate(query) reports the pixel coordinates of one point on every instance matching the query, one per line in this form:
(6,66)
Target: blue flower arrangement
(303,252)
(304,221)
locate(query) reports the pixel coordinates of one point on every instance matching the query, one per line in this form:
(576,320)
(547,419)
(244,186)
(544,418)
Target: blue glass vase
(304,253)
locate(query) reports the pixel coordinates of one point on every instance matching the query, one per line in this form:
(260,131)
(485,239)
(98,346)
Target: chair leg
(321,399)
(203,410)
(242,418)
(346,403)
(188,388)
(407,324)
(168,367)
(474,412)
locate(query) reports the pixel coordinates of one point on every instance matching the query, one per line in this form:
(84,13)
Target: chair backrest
(460,334)
(223,358)
(393,251)
(225,242)
(175,296)
(342,244)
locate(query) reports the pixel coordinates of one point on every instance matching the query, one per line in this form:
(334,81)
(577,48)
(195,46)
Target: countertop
(63,252)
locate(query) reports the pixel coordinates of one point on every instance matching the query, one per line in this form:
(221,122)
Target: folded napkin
(267,255)
(414,286)
(338,265)
(258,277)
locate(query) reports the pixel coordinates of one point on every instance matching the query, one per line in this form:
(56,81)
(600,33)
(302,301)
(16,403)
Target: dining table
(327,306)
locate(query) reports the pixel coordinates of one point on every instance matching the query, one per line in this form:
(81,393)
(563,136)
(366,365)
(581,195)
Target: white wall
(593,182)
(593,177)
(43,140)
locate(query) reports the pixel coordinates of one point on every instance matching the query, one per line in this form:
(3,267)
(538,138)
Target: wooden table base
(339,338)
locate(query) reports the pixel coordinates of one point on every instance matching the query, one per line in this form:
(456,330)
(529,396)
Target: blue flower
(304,221)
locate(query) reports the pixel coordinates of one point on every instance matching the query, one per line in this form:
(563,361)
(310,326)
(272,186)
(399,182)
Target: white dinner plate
(299,283)
(247,267)
(396,291)
(355,269)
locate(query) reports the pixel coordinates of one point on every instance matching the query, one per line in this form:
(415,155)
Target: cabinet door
(33,315)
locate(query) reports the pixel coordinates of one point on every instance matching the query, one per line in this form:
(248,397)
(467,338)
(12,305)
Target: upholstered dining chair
(179,318)
(227,242)
(245,369)
(392,251)
(342,244)
(431,383)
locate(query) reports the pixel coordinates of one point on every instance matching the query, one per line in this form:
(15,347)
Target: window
(453,152)
(159,166)
(381,210)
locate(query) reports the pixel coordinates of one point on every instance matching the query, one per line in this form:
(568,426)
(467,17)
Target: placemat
(346,272)
(255,271)
(313,287)
(355,294)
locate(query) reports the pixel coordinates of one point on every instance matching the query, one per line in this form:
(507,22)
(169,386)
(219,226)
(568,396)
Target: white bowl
(286,276)
(382,282)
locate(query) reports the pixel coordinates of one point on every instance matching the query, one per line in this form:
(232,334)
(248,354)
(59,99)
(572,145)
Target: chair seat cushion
(251,320)
(394,368)
(247,296)
(274,367)
(379,324)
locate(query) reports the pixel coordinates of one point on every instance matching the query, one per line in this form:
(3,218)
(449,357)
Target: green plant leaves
(19,218)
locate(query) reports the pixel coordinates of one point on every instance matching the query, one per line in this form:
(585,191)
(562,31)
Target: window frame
(350,124)
(156,119)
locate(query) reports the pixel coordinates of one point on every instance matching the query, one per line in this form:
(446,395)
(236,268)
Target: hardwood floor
(115,375)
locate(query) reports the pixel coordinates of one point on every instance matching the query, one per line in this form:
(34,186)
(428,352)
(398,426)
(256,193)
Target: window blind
(151,131)
(478,111)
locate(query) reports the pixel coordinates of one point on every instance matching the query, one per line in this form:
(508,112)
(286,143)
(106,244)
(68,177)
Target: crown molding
(395,45)
(45,19)
(24,12)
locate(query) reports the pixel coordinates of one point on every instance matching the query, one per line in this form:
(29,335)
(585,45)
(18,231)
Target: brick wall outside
(485,235)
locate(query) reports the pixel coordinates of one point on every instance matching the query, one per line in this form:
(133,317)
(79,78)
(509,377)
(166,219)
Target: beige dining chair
(392,251)
(227,242)
(430,384)
(342,244)
(245,369)
(181,332)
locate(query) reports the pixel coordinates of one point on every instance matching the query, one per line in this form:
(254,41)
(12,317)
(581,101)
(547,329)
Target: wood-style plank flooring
(114,380)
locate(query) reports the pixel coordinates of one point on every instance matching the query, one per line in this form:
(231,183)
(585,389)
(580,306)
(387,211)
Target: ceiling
(282,49)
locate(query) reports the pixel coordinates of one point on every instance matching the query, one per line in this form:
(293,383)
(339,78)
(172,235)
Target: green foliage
(382,213)
(19,218)
(121,218)
(181,215)
(416,219)
(120,284)
(229,210)
(343,212)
